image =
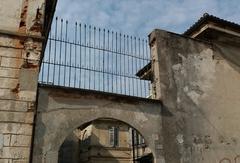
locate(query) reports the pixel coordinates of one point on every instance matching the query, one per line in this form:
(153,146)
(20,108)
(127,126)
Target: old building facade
(102,141)
(193,114)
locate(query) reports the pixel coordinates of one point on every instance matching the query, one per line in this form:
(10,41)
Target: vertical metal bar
(55,50)
(89,39)
(85,51)
(139,65)
(65,55)
(103,59)
(70,66)
(108,69)
(116,63)
(80,53)
(75,56)
(143,52)
(99,55)
(120,58)
(60,53)
(148,57)
(49,54)
(132,71)
(128,60)
(41,80)
(94,57)
(136,59)
(112,60)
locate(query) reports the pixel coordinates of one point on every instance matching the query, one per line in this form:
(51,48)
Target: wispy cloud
(140,17)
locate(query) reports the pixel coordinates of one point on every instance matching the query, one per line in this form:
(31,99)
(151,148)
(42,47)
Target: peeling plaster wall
(19,66)
(200,89)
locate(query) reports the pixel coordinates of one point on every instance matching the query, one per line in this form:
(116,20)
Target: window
(114,136)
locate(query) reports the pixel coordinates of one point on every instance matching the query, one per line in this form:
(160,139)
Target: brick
(1,141)
(7,94)
(15,152)
(6,116)
(20,161)
(28,79)
(10,15)
(6,140)
(16,128)
(9,52)
(27,95)
(5,161)
(20,140)
(11,62)
(10,105)
(9,72)
(8,41)
(8,83)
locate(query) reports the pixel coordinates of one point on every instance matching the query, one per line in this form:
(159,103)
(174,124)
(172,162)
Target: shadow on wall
(69,151)
(73,150)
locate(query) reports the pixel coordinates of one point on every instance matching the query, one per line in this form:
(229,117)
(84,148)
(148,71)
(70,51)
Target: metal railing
(83,56)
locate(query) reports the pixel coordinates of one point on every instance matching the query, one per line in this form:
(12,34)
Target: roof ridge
(206,17)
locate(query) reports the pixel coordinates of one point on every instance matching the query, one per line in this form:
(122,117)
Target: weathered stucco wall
(20,49)
(62,110)
(200,90)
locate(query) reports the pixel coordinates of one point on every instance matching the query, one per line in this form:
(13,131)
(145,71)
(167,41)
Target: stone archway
(62,110)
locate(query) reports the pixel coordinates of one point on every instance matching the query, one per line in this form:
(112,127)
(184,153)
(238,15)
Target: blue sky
(140,17)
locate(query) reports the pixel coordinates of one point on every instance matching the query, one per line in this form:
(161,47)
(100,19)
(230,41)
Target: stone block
(27,95)
(10,105)
(6,139)
(18,117)
(5,160)
(16,128)
(20,140)
(1,141)
(8,83)
(7,94)
(9,72)
(11,62)
(20,161)
(8,41)
(28,79)
(15,152)
(9,52)
(10,12)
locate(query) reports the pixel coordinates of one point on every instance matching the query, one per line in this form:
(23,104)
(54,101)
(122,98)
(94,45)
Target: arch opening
(105,140)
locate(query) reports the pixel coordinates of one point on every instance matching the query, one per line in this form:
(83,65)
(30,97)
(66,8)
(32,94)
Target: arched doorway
(61,111)
(105,140)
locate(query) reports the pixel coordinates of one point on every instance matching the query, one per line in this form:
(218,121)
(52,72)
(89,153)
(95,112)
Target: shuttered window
(114,136)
